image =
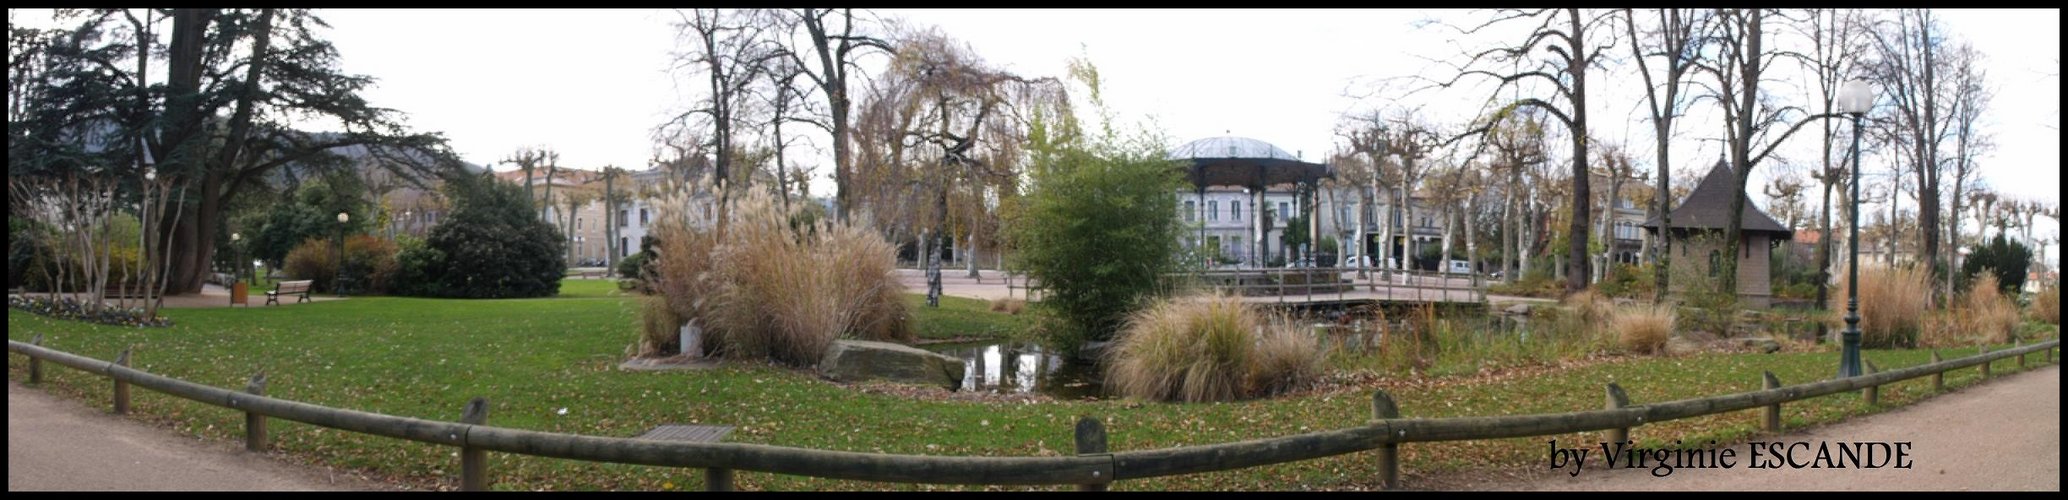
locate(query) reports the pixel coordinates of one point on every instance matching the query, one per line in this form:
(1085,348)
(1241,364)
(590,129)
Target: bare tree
(1970,98)
(730,50)
(1674,39)
(1518,143)
(834,40)
(1739,66)
(1911,52)
(956,99)
(1575,42)
(1836,38)
(1616,167)
(612,199)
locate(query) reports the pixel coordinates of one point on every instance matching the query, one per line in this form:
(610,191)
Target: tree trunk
(1576,244)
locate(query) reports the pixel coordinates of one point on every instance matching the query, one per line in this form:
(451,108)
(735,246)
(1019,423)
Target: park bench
(300,288)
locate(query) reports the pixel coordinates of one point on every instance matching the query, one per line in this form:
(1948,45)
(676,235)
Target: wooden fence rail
(1093,467)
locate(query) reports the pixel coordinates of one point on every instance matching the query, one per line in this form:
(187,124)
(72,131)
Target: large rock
(1517,309)
(857,360)
(1761,344)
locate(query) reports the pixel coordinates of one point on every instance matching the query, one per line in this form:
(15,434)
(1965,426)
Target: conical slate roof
(1708,207)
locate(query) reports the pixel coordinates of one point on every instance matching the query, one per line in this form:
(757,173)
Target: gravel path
(56,444)
(2003,434)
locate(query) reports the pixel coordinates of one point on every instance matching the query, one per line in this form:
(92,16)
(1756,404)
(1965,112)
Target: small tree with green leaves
(1098,230)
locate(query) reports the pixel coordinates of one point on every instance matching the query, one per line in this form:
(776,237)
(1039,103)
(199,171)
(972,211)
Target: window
(1213,210)
(577,223)
(622,251)
(1281,211)
(1235,210)
(642,217)
(622,219)
(1715,262)
(1189,207)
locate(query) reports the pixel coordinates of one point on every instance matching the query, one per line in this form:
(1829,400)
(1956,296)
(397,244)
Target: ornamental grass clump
(2047,305)
(1892,306)
(763,283)
(1984,314)
(1212,348)
(1642,330)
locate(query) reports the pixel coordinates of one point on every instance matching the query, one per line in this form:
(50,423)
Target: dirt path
(2001,435)
(54,444)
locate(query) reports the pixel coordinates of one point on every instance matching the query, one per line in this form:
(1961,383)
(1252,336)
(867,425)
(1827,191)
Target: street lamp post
(1854,99)
(338,280)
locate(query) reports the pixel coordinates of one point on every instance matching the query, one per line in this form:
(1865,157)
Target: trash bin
(240,293)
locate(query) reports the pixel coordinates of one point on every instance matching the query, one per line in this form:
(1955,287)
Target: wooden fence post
(1985,364)
(1091,440)
(1939,376)
(122,388)
(1773,411)
(717,479)
(255,424)
(36,364)
(1873,391)
(474,461)
(1617,399)
(1388,455)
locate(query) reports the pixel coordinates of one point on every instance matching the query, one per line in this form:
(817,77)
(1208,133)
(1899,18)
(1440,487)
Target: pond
(1026,368)
(1009,367)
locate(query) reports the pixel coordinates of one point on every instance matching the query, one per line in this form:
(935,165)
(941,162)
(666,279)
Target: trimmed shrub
(370,263)
(1642,330)
(1892,306)
(493,245)
(763,288)
(314,259)
(1210,348)
(2002,258)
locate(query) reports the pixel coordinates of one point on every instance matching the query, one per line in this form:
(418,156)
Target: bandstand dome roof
(1230,147)
(1242,161)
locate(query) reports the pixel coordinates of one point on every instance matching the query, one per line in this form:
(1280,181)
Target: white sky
(592,84)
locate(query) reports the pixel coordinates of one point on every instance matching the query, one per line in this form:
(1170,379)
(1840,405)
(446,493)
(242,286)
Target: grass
(531,358)
(963,319)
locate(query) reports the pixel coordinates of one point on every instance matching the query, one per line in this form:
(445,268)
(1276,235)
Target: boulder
(1679,345)
(1517,309)
(857,360)
(1761,344)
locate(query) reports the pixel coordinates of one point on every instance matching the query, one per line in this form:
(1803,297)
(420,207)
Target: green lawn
(960,318)
(534,358)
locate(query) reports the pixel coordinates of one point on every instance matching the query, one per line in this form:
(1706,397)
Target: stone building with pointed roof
(1698,230)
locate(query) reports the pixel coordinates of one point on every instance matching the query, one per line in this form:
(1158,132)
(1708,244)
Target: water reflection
(1021,368)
